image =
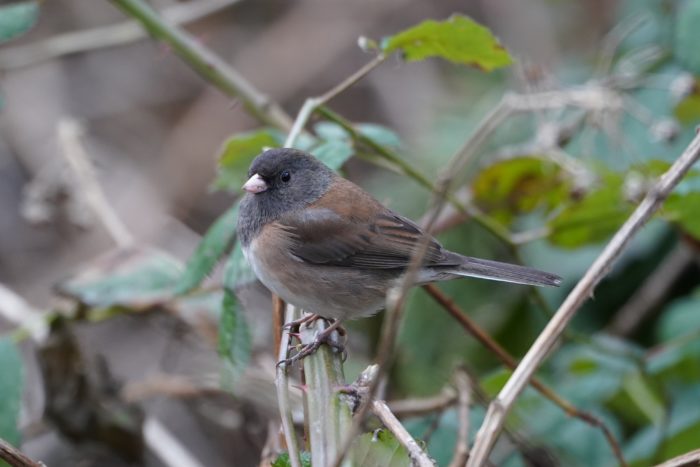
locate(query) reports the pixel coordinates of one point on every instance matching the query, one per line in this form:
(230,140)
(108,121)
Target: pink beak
(255,184)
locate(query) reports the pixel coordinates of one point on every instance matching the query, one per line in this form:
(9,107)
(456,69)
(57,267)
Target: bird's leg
(323,337)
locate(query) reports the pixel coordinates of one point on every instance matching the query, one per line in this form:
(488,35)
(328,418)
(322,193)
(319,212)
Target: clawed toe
(323,337)
(296,324)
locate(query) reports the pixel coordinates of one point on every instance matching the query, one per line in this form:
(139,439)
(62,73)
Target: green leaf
(642,446)
(687,111)
(379,449)
(683,210)
(519,186)
(379,134)
(494,382)
(329,131)
(680,318)
(136,278)
(234,339)
(458,39)
(237,270)
(676,362)
(210,249)
(17,18)
(238,152)
(588,374)
(234,333)
(333,153)
(687,38)
(11,385)
(684,424)
(283,460)
(594,218)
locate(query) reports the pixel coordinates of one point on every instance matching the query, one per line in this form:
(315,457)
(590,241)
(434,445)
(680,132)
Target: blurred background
(94,113)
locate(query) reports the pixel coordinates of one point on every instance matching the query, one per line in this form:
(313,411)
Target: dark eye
(285,176)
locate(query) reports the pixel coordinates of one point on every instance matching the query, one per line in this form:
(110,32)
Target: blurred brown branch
(650,294)
(102,37)
(15,457)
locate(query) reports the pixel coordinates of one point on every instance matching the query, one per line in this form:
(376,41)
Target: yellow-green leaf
(684,210)
(458,39)
(594,218)
(518,186)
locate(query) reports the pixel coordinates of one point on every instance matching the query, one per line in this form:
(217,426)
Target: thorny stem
(209,65)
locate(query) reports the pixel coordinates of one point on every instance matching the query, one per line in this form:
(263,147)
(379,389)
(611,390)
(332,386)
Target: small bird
(323,244)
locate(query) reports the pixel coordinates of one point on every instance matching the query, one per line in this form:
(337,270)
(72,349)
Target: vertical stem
(328,414)
(282,382)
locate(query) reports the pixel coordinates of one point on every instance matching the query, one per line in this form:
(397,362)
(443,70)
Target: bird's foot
(323,337)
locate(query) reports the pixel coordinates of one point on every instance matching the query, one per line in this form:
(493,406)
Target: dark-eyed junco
(324,244)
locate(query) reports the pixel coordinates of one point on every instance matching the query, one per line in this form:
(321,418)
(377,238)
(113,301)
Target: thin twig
(689,459)
(102,37)
(461,454)
(487,341)
(208,64)
(650,294)
(15,458)
(17,310)
(69,135)
(500,407)
(278,307)
(312,103)
(161,441)
(415,453)
(282,383)
(421,406)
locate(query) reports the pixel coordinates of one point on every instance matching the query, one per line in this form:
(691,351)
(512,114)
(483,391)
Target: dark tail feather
(494,270)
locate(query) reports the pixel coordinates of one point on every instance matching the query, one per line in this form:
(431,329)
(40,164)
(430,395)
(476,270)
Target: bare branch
(18,311)
(689,459)
(102,37)
(461,382)
(15,458)
(500,407)
(414,407)
(312,103)
(415,453)
(166,447)
(69,134)
(650,294)
(282,383)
